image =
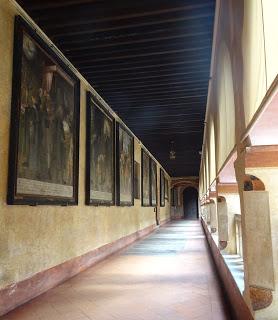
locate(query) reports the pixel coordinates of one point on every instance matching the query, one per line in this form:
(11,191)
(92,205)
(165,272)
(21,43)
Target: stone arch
(253,183)
(222,213)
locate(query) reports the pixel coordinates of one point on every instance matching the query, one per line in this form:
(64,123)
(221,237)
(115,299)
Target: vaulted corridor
(139,160)
(167,275)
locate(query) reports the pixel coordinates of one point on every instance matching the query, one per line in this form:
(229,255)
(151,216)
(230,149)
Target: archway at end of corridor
(190,203)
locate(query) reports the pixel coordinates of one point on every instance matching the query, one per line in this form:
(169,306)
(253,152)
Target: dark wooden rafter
(84,13)
(203,63)
(127,37)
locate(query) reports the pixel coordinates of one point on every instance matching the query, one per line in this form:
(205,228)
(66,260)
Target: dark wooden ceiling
(149,59)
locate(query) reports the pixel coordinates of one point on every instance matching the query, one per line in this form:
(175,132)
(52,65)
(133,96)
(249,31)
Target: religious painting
(166,189)
(153,180)
(162,188)
(100,184)
(136,180)
(145,172)
(125,167)
(44,139)
(174,197)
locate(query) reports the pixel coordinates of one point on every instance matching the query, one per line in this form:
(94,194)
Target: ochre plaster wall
(244,66)
(33,239)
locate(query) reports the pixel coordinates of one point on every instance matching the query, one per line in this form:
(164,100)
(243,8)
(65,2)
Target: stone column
(222,212)
(207,211)
(257,243)
(262,208)
(213,217)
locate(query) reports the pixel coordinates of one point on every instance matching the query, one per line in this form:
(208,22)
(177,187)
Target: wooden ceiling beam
(169,116)
(109,69)
(95,44)
(158,49)
(171,89)
(203,25)
(176,132)
(145,61)
(175,75)
(154,71)
(103,12)
(94,28)
(52,4)
(178,42)
(168,127)
(143,86)
(147,98)
(198,102)
(106,91)
(167,75)
(172,121)
(166,98)
(148,54)
(133,95)
(163,106)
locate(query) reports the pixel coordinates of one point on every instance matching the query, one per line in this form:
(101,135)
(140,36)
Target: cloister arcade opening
(190,203)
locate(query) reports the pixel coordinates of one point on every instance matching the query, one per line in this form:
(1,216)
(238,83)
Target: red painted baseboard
(239,307)
(18,293)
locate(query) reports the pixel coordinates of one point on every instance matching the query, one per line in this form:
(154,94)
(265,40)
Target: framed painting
(100,159)
(145,178)
(166,189)
(153,180)
(125,166)
(44,136)
(162,188)
(174,197)
(136,180)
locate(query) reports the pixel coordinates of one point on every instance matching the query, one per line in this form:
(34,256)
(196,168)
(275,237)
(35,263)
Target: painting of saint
(166,189)
(162,188)
(136,180)
(45,125)
(125,169)
(145,163)
(100,155)
(153,183)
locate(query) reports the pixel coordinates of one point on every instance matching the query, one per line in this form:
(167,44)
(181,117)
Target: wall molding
(21,292)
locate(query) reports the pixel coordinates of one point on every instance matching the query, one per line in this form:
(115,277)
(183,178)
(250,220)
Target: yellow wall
(33,239)
(244,65)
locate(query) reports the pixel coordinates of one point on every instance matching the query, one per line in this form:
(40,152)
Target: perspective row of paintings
(44,139)
(101,158)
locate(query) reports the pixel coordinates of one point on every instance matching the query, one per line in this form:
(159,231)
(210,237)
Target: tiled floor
(166,276)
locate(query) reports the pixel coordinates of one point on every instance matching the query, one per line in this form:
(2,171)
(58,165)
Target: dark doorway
(190,203)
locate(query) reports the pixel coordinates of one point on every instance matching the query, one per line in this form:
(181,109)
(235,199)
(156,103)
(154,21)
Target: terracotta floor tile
(166,276)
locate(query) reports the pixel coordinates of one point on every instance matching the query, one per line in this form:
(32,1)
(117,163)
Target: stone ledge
(239,307)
